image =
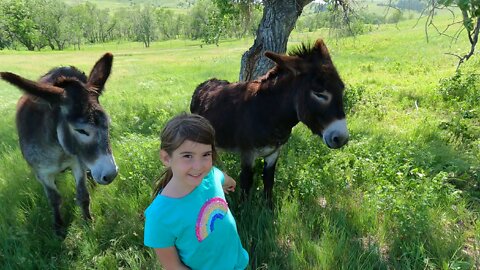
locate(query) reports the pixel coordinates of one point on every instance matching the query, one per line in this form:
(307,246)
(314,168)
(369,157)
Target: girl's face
(189,163)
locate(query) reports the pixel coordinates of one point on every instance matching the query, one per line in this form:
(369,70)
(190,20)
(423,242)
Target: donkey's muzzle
(336,134)
(104,170)
(336,140)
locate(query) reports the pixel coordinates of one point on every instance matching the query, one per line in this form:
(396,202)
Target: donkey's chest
(265,151)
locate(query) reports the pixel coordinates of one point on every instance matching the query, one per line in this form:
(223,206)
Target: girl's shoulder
(160,204)
(216,174)
(214,180)
(167,211)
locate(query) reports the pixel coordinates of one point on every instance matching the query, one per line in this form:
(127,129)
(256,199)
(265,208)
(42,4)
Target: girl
(189,223)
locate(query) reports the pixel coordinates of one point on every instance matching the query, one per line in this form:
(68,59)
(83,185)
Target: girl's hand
(229,184)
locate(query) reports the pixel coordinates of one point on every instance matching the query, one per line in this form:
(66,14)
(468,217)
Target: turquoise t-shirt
(200,225)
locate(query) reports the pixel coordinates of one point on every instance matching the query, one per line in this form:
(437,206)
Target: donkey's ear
(322,50)
(292,63)
(45,91)
(100,72)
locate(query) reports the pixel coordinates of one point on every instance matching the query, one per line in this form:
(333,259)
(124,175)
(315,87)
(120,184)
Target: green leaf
(477,12)
(463,4)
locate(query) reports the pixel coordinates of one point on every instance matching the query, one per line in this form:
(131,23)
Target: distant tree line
(319,15)
(38,24)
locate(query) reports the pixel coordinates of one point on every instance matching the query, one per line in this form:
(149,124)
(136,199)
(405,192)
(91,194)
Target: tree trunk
(279,18)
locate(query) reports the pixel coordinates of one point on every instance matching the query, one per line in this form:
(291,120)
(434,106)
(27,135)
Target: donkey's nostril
(337,141)
(109,178)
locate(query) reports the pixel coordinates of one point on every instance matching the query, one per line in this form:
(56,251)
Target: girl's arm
(229,184)
(169,259)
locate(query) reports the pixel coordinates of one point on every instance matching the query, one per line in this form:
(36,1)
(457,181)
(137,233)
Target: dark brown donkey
(62,125)
(256,118)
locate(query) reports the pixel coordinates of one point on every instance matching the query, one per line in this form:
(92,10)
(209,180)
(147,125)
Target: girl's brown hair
(180,128)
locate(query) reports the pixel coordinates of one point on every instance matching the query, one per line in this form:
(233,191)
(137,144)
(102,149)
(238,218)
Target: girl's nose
(197,164)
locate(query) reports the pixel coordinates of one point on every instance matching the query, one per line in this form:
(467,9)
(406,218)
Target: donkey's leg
(246,174)
(270,163)
(83,198)
(48,182)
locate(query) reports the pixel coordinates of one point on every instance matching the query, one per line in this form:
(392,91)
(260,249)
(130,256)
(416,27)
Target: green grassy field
(403,194)
(114,4)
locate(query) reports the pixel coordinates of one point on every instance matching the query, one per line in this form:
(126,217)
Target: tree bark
(279,18)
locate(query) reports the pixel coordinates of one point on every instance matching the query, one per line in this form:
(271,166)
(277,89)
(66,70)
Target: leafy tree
(77,23)
(19,24)
(98,25)
(5,40)
(470,10)
(50,17)
(279,18)
(168,23)
(238,17)
(124,27)
(200,24)
(145,24)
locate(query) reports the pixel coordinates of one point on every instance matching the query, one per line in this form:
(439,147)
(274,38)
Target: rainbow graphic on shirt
(213,209)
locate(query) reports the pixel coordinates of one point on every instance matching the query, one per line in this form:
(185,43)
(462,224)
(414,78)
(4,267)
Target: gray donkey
(61,125)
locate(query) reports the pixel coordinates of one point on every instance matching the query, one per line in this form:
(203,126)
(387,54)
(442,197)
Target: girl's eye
(187,156)
(82,131)
(207,155)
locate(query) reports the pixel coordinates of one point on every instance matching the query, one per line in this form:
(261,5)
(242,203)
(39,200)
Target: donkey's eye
(321,95)
(82,131)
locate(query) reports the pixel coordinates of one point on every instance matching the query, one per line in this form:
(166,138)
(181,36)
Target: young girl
(189,223)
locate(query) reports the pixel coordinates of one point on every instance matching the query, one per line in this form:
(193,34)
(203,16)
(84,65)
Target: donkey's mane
(56,74)
(303,50)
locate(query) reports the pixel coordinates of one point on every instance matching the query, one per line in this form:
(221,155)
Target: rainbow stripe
(213,209)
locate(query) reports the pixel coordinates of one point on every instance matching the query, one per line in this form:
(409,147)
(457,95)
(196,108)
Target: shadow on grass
(27,237)
(299,233)
(347,233)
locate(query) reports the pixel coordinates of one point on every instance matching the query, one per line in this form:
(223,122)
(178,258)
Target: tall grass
(403,194)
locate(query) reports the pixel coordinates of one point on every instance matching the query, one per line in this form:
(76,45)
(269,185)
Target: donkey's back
(244,118)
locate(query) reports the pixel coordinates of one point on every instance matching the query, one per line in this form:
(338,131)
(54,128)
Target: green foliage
(395,17)
(311,22)
(461,90)
(402,194)
(145,24)
(352,96)
(19,23)
(461,94)
(39,23)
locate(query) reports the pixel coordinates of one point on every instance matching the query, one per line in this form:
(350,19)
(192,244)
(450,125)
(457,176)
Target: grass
(116,4)
(403,194)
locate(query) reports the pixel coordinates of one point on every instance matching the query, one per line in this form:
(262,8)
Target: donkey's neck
(279,92)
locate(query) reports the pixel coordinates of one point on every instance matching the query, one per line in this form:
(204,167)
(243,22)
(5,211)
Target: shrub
(462,99)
